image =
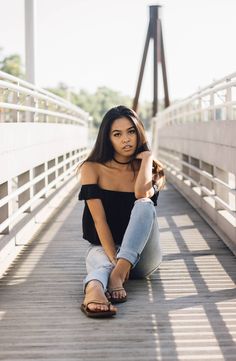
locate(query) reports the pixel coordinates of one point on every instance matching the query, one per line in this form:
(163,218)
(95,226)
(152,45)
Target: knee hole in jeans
(144,200)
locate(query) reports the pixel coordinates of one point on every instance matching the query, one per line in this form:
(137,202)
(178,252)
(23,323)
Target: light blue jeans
(140,246)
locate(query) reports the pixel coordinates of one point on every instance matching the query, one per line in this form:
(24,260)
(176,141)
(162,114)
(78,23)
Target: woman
(120,183)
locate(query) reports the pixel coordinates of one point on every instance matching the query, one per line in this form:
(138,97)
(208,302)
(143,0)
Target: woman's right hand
(114,260)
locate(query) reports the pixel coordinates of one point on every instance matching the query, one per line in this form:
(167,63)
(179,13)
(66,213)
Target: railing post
(36,106)
(154,132)
(232,184)
(212,111)
(29,116)
(2,111)
(41,184)
(229,113)
(16,100)
(24,196)
(4,210)
(200,108)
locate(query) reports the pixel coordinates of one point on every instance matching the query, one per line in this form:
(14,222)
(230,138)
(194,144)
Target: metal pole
(30,40)
(140,78)
(153,19)
(155,33)
(163,62)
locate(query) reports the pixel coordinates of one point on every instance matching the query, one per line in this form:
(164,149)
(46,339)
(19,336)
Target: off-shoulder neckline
(107,190)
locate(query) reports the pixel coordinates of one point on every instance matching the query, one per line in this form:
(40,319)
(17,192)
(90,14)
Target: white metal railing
(21,101)
(26,184)
(182,170)
(26,191)
(214,102)
(194,138)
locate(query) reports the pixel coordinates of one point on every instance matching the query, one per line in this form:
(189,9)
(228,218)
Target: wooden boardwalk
(185,311)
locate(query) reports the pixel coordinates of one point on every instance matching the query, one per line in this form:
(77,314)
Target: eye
(116,134)
(132,131)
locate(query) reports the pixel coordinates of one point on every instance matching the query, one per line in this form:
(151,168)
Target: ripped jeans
(140,246)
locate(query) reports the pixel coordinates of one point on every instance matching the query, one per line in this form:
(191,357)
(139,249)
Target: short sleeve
(89,191)
(155,195)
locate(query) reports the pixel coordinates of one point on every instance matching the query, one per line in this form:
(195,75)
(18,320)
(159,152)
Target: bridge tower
(154,32)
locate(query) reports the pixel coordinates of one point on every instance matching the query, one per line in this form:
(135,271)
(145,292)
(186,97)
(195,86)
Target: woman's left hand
(144,154)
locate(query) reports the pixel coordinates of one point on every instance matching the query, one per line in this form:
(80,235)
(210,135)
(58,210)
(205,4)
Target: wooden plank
(185,311)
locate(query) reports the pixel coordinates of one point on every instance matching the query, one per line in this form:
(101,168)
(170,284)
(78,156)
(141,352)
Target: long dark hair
(103,150)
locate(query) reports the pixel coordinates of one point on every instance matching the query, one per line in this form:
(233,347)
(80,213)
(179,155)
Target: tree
(104,99)
(98,103)
(95,104)
(12,64)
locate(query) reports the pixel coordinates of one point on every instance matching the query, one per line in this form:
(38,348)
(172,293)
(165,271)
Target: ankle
(94,284)
(121,269)
(123,265)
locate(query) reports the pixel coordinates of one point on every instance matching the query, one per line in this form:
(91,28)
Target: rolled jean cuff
(88,279)
(101,275)
(128,255)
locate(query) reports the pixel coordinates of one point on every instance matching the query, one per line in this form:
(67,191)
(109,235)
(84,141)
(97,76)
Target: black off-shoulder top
(117,205)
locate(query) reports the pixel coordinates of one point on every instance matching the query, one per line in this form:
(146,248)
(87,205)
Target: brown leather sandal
(97,314)
(113,299)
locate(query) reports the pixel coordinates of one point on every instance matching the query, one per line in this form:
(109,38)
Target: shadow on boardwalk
(184,311)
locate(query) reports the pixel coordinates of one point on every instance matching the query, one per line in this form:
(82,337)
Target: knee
(144,207)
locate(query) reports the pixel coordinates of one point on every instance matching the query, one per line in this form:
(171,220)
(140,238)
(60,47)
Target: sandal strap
(117,289)
(98,302)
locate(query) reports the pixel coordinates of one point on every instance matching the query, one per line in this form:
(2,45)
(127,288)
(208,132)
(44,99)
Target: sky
(90,43)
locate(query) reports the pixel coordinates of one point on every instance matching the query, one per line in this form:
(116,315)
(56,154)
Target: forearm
(106,239)
(143,184)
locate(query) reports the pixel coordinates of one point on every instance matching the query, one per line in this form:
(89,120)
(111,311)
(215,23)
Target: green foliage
(11,64)
(98,103)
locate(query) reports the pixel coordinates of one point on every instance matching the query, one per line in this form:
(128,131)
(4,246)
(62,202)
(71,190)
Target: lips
(127,147)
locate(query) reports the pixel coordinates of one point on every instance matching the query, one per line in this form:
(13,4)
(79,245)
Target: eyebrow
(117,130)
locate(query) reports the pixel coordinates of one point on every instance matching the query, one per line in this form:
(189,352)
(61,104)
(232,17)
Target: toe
(112,308)
(118,294)
(115,294)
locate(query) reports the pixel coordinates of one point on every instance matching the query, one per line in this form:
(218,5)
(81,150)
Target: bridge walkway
(184,311)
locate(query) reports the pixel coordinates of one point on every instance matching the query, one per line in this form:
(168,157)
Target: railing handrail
(214,83)
(193,106)
(19,85)
(39,95)
(41,111)
(24,182)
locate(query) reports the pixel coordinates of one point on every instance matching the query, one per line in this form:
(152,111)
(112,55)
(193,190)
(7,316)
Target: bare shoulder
(89,173)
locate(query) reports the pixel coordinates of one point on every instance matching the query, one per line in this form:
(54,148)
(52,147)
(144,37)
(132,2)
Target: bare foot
(115,287)
(117,279)
(94,291)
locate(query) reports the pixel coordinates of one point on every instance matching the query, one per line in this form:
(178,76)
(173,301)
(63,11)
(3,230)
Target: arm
(89,176)
(143,185)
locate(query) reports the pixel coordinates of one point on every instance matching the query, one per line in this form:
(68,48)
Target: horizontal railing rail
(43,140)
(66,168)
(214,102)
(21,101)
(195,140)
(211,193)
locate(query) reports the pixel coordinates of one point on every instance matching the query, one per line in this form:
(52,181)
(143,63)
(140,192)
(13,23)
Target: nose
(126,139)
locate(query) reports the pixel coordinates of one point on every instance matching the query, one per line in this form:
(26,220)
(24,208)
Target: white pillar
(30,45)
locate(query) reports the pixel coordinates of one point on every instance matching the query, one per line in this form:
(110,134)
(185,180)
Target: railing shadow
(201,296)
(167,316)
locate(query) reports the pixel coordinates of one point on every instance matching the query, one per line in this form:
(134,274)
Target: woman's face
(123,137)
